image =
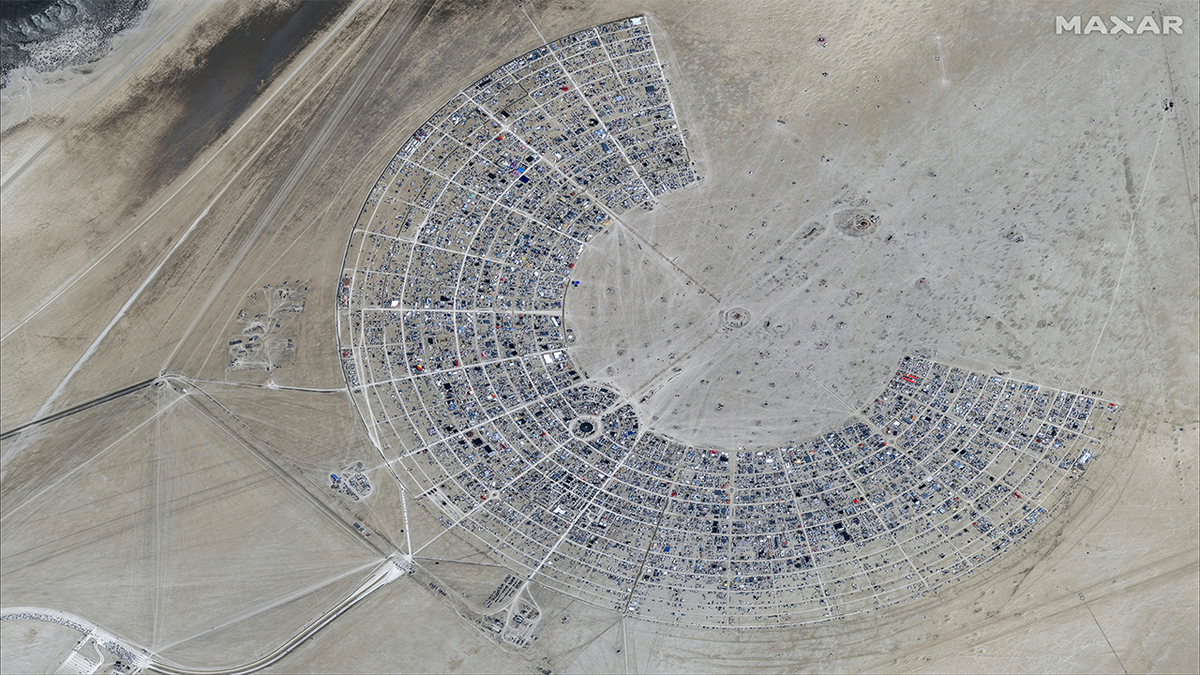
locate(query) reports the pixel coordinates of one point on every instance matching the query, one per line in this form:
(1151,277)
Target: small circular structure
(736,317)
(857,223)
(585,428)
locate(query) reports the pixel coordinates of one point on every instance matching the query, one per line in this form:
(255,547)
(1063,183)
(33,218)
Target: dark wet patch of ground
(210,88)
(235,71)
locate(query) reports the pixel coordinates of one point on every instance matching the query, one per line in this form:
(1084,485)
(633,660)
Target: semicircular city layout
(460,342)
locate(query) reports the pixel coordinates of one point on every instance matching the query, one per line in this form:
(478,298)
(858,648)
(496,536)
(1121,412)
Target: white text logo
(1115,26)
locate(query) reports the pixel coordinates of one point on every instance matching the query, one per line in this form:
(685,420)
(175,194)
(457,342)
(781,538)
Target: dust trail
(941,59)
(1125,258)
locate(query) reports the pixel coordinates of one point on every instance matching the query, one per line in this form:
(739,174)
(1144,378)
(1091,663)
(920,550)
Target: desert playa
(600,337)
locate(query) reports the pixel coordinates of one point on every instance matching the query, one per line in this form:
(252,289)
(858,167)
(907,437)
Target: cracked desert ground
(1036,219)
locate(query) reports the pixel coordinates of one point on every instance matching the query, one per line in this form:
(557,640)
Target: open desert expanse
(631,337)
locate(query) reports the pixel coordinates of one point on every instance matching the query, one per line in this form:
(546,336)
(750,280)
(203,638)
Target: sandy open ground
(1038,217)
